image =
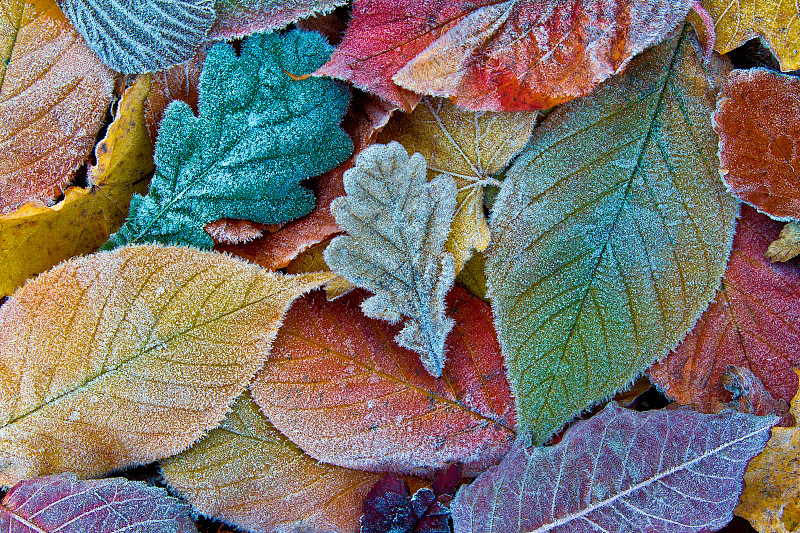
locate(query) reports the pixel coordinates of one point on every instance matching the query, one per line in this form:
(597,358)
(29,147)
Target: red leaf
(63,503)
(754,322)
(500,56)
(177,83)
(748,395)
(341,389)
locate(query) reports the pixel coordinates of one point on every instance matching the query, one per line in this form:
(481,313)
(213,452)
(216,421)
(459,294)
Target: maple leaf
(128,356)
(397,224)
(619,471)
(610,235)
(146,36)
(258,135)
(63,503)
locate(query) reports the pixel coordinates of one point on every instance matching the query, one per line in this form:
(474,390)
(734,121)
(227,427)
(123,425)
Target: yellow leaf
(313,260)
(35,237)
(771,497)
(473,276)
(787,245)
(129,356)
(469,145)
(248,474)
(741,20)
(54,93)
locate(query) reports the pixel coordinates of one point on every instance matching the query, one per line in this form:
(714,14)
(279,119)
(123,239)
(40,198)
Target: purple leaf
(387,507)
(620,471)
(445,482)
(63,503)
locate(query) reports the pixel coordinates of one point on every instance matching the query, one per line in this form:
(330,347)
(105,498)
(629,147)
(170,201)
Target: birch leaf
(129,356)
(397,224)
(141,36)
(470,146)
(35,237)
(62,503)
(248,474)
(238,18)
(620,471)
(610,234)
(259,134)
(54,93)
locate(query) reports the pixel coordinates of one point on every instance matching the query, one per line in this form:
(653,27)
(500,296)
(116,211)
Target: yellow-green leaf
(128,356)
(469,145)
(248,474)
(35,237)
(610,234)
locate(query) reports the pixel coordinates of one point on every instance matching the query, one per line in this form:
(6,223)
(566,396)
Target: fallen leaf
(238,18)
(63,503)
(313,260)
(133,37)
(748,395)
(753,322)
(181,82)
(771,497)
(468,145)
(777,23)
(620,471)
(787,246)
(500,56)
(259,134)
(129,356)
(397,224)
(473,276)
(35,237)
(341,390)
(54,93)
(610,235)
(248,474)
(758,122)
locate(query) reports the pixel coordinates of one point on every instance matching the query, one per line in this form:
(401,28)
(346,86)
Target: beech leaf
(63,503)
(141,36)
(247,473)
(338,387)
(129,356)
(670,471)
(259,134)
(610,235)
(397,224)
(54,93)
(238,18)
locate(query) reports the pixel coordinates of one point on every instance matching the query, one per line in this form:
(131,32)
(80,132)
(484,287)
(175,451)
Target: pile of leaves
(302,258)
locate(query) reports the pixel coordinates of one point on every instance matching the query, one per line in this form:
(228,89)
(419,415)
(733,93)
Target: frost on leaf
(143,35)
(238,18)
(63,503)
(620,471)
(259,134)
(397,224)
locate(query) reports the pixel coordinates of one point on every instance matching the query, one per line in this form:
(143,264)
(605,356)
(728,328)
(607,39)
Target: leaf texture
(753,322)
(258,135)
(238,18)
(341,390)
(610,235)
(771,497)
(397,224)
(54,93)
(63,503)
(470,146)
(513,55)
(248,474)
(777,23)
(141,36)
(34,237)
(129,356)
(758,123)
(787,246)
(620,471)
(181,82)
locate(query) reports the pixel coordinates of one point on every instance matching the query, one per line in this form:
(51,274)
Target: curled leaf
(787,246)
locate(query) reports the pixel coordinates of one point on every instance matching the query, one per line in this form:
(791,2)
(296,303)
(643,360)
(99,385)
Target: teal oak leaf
(261,131)
(610,234)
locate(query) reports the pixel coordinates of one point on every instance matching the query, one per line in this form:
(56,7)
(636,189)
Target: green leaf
(610,234)
(397,224)
(259,134)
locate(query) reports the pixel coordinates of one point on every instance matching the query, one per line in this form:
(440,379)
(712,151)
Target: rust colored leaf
(758,122)
(247,473)
(177,83)
(748,395)
(54,93)
(238,18)
(339,387)
(129,356)
(753,322)
(501,56)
